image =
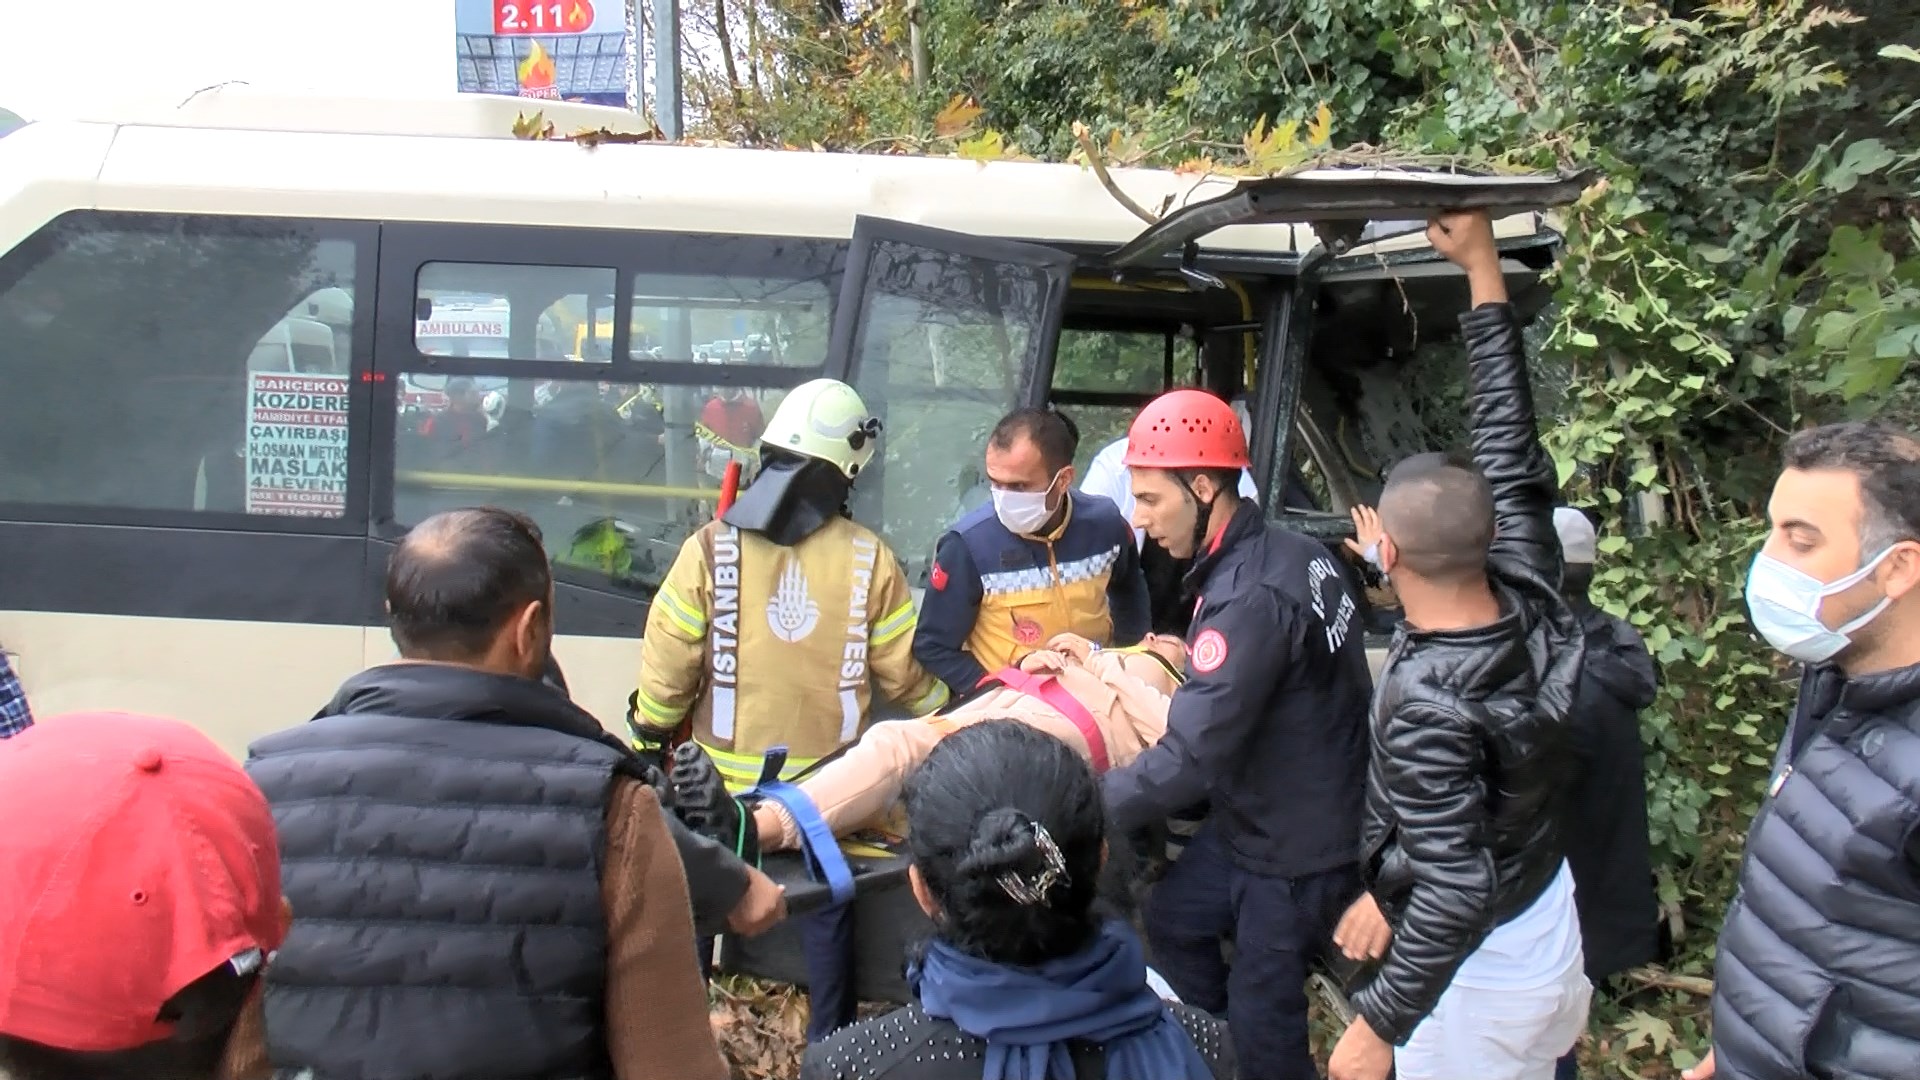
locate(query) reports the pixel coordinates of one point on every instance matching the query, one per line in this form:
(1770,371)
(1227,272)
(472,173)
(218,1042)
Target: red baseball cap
(136,858)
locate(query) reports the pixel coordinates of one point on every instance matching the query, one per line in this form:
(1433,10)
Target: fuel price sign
(532,17)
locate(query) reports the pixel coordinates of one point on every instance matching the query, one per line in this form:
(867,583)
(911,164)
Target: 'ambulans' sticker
(1209,651)
(939,581)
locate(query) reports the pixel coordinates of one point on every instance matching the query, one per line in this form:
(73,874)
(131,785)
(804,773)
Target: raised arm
(1504,431)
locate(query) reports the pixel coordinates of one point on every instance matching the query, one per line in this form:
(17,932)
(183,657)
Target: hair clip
(1030,890)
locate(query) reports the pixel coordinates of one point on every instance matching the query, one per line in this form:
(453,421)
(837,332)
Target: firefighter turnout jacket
(763,645)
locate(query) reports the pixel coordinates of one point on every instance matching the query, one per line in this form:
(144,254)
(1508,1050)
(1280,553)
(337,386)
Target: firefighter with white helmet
(779,620)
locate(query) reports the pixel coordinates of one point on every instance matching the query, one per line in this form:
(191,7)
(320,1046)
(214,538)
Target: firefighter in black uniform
(1270,727)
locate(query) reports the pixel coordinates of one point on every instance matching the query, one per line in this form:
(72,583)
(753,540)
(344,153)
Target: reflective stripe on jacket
(769,646)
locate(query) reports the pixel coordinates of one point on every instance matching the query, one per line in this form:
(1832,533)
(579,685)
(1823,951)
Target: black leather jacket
(1471,760)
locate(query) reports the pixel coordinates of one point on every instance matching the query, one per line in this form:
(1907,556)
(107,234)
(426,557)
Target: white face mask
(1785,607)
(1023,512)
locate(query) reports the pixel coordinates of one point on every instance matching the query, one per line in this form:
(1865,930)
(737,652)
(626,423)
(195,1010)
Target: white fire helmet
(825,419)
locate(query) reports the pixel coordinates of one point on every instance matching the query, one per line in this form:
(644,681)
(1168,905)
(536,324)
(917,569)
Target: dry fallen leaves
(761,1027)
(536,126)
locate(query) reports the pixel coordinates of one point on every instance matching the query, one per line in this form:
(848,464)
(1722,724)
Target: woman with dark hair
(1025,977)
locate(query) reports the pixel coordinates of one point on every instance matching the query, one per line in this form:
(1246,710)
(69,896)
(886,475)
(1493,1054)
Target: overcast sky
(75,56)
(80,55)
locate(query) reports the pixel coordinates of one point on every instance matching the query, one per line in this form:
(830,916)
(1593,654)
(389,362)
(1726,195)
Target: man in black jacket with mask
(1818,968)
(1479,969)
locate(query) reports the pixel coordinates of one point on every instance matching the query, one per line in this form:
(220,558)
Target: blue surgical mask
(1785,606)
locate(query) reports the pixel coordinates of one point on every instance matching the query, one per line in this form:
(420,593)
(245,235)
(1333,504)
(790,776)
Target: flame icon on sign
(579,16)
(536,74)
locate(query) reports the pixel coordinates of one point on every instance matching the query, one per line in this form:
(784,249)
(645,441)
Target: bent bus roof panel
(453,159)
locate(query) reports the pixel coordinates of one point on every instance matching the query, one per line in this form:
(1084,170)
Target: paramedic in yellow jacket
(777,621)
(1043,559)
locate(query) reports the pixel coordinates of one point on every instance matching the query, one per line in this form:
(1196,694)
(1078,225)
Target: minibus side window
(616,469)
(1112,373)
(733,319)
(507,312)
(146,364)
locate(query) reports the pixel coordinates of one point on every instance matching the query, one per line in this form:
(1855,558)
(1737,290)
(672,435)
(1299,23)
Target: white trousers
(1497,1034)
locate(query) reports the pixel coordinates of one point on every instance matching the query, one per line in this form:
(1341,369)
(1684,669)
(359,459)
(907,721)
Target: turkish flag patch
(939,579)
(1209,651)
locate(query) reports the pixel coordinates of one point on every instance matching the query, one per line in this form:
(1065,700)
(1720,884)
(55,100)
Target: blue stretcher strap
(822,849)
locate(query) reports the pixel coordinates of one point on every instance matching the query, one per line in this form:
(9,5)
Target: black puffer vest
(1819,962)
(442,835)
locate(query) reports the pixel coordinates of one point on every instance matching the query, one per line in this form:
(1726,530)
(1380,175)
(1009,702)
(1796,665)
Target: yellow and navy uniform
(766,646)
(993,597)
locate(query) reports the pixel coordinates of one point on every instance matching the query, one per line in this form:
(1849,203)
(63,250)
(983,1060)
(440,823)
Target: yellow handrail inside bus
(1249,356)
(471,481)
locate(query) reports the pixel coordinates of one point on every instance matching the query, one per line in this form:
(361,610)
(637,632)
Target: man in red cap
(1270,728)
(139,901)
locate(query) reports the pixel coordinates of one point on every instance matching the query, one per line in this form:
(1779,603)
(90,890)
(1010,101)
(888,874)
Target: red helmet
(1187,429)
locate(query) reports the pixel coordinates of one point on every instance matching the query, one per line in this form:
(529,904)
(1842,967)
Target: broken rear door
(1372,215)
(942,334)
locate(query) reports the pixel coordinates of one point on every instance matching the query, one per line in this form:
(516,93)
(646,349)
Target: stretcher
(887,921)
(867,870)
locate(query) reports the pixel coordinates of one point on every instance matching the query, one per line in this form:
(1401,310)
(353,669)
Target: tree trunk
(753,49)
(917,36)
(725,38)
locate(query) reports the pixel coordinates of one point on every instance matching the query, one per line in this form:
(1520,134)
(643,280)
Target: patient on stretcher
(1107,704)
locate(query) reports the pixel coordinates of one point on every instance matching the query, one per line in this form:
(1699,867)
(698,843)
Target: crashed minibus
(189,529)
